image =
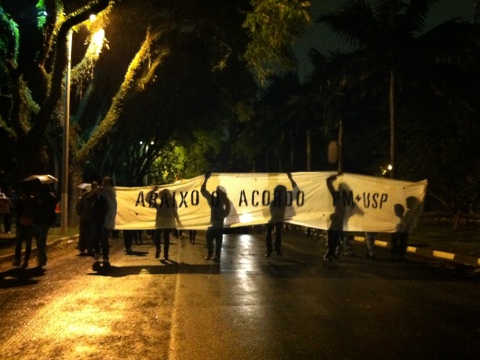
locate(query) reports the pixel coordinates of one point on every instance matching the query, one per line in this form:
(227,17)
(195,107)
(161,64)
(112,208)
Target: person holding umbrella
(43,217)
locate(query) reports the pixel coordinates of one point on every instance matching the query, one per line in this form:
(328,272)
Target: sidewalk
(7,249)
(458,258)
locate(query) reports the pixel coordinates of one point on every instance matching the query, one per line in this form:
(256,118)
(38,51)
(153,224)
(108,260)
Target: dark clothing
(24,234)
(278,237)
(214,234)
(333,240)
(25,208)
(43,216)
(192,234)
(166,241)
(399,245)
(100,238)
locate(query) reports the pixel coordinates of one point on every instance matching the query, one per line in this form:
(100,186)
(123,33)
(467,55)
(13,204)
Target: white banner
(320,200)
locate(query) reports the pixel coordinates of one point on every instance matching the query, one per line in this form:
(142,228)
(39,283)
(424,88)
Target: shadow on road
(167,267)
(20,277)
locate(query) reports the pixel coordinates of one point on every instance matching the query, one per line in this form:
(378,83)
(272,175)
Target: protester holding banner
(166,221)
(277,211)
(219,210)
(339,218)
(407,222)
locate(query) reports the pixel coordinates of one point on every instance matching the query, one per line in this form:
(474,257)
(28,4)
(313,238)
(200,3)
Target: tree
(392,50)
(33,62)
(132,69)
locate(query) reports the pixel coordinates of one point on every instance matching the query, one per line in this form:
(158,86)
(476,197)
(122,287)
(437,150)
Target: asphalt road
(294,306)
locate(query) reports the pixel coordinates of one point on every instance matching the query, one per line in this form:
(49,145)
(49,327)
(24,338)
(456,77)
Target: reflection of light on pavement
(246,264)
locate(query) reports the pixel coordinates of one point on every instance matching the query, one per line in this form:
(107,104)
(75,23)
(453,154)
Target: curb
(461,259)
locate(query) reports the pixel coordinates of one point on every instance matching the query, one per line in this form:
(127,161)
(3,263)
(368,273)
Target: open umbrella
(44,179)
(85,186)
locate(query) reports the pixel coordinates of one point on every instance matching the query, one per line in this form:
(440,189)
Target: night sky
(320,37)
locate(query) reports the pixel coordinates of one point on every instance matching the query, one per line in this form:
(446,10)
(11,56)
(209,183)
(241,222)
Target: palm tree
(390,47)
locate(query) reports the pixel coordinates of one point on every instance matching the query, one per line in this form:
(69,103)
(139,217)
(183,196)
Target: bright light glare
(98,39)
(93,17)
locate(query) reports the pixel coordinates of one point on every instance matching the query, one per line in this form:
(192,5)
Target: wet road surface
(294,306)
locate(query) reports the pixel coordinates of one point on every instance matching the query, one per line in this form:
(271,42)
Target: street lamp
(97,42)
(66,131)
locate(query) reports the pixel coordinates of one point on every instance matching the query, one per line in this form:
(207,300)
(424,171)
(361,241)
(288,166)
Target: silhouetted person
(24,231)
(85,212)
(408,221)
(104,218)
(43,217)
(192,234)
(277,212)
(339,217)
(219,210)
(166,221)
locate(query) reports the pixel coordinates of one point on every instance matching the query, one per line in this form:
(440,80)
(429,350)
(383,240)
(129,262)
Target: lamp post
(66,131)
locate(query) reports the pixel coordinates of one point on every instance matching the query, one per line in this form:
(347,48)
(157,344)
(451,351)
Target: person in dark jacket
(103,218)
(43,217)
(24,206)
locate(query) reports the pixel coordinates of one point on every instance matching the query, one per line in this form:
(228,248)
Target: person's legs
(166,243)
(127,241)
(268,239)
(157,240)
(83,235)
(20,235)
(370,242)
(332,243)
(278,238)
(97,237)
(28,244)
(347,245)
(218,243)
(40,232)
(402,246)
(394,246)
(209,238)
(105,246)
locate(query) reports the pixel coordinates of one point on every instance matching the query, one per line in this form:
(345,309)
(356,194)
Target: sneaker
(16,263)
(106,262)
(165,258)
(208,257)
(96,256)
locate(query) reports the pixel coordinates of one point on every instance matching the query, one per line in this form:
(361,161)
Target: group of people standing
(97,208)
(35,208)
